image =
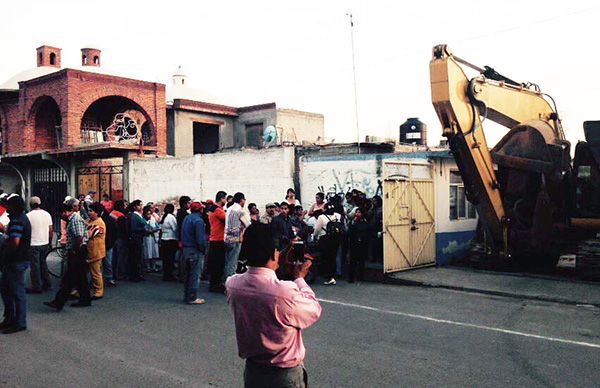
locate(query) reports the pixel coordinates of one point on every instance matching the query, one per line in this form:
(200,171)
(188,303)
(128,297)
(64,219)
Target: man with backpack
(329,232)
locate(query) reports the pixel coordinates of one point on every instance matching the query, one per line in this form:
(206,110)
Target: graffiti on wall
(343,181)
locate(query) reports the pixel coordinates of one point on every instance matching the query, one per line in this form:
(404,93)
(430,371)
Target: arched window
(40,58)
(84,60)
(96,60)
(52,59)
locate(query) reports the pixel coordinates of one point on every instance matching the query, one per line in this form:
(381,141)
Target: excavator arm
(530,149)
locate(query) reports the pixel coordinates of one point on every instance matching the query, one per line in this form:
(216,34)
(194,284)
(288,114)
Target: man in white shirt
(42,231)
(236,221)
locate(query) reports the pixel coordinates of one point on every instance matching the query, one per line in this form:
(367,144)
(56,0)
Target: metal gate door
(50,184)
(103,180)
(408,216)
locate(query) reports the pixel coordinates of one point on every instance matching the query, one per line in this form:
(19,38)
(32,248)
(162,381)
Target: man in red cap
(193,241)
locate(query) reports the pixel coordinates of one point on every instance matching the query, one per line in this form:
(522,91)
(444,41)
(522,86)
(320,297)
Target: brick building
(71,130)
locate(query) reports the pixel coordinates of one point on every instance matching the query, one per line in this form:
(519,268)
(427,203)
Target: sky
(298,54)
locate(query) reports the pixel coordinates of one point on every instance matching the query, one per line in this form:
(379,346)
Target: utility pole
(354,74)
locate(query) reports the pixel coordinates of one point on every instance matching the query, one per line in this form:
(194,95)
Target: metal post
(354,74)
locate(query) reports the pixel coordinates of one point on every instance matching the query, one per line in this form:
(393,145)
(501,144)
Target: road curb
(416,283)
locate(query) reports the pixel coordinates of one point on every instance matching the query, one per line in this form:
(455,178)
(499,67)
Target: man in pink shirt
(270,314)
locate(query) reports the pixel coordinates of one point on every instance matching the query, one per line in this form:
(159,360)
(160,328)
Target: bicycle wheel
(56,267)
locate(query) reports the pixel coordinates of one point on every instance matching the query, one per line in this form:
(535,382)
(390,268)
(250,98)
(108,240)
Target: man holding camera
(270,314)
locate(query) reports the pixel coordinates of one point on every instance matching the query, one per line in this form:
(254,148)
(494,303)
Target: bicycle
(60,250)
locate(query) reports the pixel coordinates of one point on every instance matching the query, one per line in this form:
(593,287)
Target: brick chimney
(48,56)
(90,57)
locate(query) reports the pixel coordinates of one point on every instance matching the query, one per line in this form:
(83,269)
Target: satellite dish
(270,136)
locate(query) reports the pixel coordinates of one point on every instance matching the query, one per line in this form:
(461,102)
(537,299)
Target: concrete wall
(265,116)
(335,175)
(183,122)
(297,126)
(442,200)
(453,237)
(262,175)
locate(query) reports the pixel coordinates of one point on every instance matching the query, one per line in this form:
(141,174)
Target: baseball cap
(35,201)
(196,206)
(270,204)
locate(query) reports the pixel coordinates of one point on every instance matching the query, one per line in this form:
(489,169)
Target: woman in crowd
(107,203)
(318,205)
(151,254)
(96,248)
(254,213)
(168,242)
(291,199)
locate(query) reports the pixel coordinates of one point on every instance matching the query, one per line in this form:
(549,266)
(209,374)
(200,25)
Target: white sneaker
(330,282)
(197,301)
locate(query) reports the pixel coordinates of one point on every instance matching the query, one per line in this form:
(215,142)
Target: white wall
(262,175)
(296,126)
(442,168)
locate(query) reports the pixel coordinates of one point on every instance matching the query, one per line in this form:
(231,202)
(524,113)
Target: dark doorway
(50,184)
(206,138)
(254,135)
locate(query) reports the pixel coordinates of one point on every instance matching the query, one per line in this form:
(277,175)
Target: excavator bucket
(530,163)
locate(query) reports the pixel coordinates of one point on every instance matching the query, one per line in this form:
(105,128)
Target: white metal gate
(408,216)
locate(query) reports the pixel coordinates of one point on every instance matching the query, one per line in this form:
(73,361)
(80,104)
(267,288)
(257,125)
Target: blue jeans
(119,259)
(107,271)
(232,253)
(12,288)
(193,261)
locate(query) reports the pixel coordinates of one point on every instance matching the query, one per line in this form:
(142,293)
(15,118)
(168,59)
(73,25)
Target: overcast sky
(298,54)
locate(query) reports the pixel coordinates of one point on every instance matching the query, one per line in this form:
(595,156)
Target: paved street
(370,335)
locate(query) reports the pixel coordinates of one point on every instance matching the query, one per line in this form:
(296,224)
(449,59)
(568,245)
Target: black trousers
(358,255)
(136,259)
(216,262)
(168,250)
(75,278)
(328,248)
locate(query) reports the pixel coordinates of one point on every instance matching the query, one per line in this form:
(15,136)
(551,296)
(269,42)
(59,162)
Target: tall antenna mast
(354,74)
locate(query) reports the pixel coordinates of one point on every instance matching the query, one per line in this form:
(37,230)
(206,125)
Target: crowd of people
(107,242)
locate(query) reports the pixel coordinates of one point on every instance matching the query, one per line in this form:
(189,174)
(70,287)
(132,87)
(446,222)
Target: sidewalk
(503,284)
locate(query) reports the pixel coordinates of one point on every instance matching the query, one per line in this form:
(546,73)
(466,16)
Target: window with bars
(460,207)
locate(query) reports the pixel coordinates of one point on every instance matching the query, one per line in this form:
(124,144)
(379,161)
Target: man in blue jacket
(193,241)
(13,264)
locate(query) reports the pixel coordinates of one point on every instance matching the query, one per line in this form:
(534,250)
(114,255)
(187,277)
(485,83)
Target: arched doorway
(47,123)
(117,119)
(11,180)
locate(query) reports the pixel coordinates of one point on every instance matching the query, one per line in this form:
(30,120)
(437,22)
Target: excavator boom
(529,158)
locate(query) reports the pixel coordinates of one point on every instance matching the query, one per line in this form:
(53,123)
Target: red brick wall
(32,94)
(85,88)
(74,91)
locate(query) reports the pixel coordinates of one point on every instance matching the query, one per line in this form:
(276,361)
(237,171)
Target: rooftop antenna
(354,74)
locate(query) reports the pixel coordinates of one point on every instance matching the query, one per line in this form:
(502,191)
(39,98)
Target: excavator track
(588,259)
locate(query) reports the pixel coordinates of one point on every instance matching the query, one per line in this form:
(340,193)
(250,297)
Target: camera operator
(270,314)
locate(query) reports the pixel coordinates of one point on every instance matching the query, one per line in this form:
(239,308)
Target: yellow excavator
(534,202)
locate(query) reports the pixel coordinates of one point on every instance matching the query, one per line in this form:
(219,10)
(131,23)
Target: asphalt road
(370,335)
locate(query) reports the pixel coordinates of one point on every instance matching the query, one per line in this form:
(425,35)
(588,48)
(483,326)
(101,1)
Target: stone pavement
(544,288)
